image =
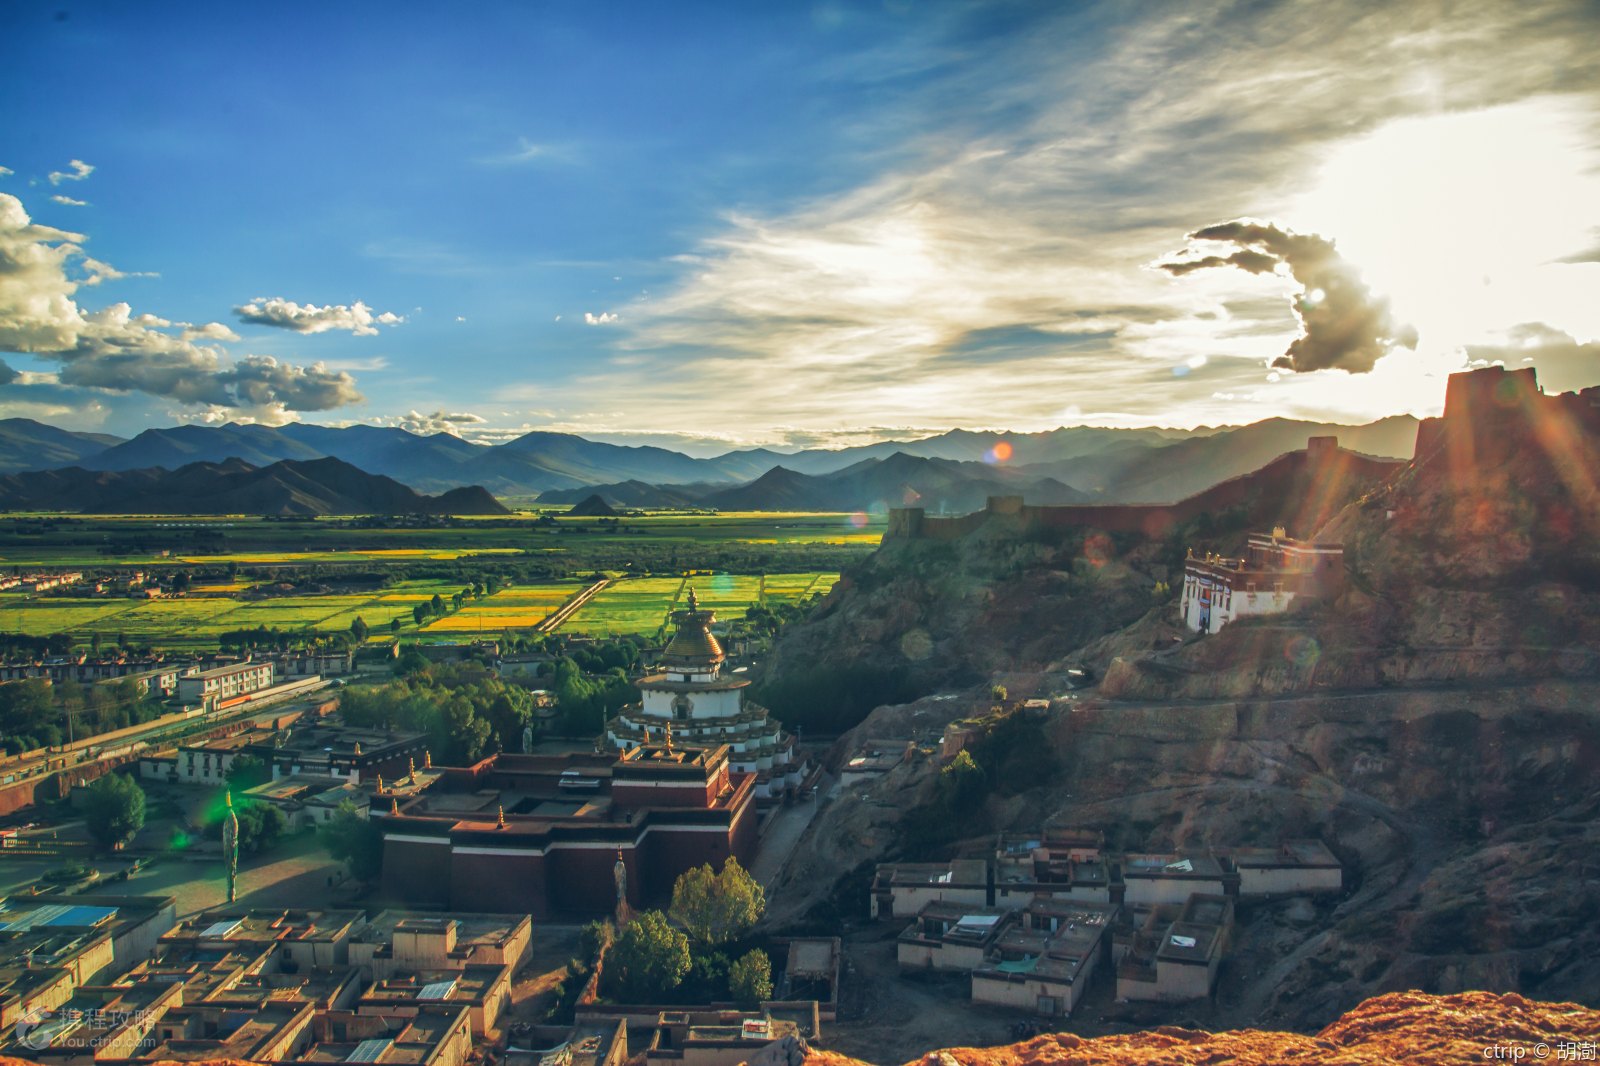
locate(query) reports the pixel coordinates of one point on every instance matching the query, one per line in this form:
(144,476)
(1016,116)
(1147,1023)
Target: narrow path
(561,615)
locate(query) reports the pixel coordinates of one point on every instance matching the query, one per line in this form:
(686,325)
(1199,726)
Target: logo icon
(33,1029)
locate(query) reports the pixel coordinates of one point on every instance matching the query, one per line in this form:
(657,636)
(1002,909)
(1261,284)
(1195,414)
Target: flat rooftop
(813,957)
(1294,853)
(472,929)
(224,925)
(1187,866)
(960,872)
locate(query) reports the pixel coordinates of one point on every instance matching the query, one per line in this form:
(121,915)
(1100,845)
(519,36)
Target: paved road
(782,833)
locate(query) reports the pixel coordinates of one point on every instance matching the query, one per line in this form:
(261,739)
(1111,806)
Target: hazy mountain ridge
(1088,458)
(27,444)
(287,487)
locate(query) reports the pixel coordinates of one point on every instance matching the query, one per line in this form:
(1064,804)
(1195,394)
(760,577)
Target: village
(486,867)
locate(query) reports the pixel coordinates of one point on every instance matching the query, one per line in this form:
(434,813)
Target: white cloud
(604,318)
(79,171)
(438,422)
(357,318)
(116,350)
(211,331)
(69,201)
(6,172)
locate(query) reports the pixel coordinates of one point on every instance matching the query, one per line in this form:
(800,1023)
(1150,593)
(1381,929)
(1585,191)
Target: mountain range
(949,471)
(234,486)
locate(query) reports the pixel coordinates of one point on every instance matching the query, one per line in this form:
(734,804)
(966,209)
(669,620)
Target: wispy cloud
(1040,205)
(604,318)
(79,171)
(532,152)
(68,201)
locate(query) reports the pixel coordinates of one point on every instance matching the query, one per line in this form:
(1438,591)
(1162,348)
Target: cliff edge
(1402,1027)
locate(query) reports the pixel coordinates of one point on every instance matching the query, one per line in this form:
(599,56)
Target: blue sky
(790,224)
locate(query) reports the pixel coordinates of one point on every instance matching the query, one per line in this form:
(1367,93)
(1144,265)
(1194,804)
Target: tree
(261,825)
(717,907)
(460,734)
(419,612)
(394,625)
(962,784)
(353,840)
(411,661)
(245,772)
(649,960)
(358,629)
(113,810)
(437,603)
(750,979)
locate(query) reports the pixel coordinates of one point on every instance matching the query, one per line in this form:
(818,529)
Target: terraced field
(641,605)
(515,608)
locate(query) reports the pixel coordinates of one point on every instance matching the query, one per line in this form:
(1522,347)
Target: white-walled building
(209,687)
(1045,964)
(1276,571)
(902,890)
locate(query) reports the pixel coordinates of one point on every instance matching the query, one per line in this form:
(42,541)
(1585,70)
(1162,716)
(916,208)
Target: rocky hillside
(1466,820)
(1434,724)
(1480,560)
(1013,595)
(1401,1028)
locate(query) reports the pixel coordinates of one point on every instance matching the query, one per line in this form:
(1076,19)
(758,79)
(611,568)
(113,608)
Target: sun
(1463,219)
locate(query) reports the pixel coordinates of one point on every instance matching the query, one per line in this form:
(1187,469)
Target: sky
(790,224)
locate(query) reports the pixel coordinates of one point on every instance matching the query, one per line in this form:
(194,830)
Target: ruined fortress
(1487,411)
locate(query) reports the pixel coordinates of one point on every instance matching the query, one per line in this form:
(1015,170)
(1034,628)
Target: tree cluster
(465,708)
(351,838)
(113,810)
(34,713)
(586,700)
(685,955)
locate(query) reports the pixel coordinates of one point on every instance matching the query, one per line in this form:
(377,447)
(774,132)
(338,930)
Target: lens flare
(859,520)
(1001,452)
(1303,651)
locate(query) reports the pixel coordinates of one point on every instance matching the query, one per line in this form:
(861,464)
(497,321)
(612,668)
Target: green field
(642,605)
(628,605)
(99,541)
(328,572)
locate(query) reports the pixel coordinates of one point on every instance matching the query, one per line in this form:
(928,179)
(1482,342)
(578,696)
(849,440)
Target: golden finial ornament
(380,784)
(669,738)
(394,805)
(501,823)
(427,760)
(411,768)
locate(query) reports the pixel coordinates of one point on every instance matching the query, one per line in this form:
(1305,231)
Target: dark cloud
(1563,364)
(1343,324)
(195,376)
(1244,259)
